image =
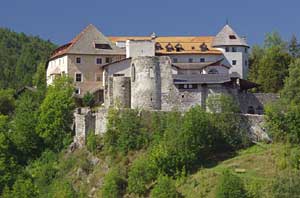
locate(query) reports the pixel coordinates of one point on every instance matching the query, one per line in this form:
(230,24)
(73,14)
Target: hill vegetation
(145,154)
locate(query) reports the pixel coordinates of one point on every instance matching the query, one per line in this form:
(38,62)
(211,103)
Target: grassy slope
(258,166)
(259,162)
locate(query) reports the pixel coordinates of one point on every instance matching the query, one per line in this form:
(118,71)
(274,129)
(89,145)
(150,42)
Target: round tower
(145,83)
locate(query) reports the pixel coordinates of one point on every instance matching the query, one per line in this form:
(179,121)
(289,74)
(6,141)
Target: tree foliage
(230,186)
(164,188)
(56,114)
(19,57)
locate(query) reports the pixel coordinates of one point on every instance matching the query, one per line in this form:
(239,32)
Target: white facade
(55,67)
(140,48)
(237,58)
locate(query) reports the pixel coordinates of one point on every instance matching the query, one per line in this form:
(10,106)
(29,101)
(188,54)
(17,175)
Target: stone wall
(87,121)
(254,103)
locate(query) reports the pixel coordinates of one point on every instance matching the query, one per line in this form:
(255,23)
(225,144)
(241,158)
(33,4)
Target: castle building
(157,72)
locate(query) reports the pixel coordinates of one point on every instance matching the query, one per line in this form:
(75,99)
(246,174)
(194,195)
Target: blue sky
(61,20)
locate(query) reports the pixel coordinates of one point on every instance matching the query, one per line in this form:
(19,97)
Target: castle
(156,72)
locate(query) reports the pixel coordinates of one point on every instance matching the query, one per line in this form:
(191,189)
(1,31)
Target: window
(98,77)
(133,72)
(203,47)
(77,91)
(158,46)
(232,37)
(233,49)
(178,47)
(246,63)
(246,50)
(190,60)
(116,75)
(188,86)
(202,60)
(99,61)
(233,62)
(107,60)
(226,49)
(169,47)
(213,71)
(175,60)
(78,60)
(102,46)
(78,77)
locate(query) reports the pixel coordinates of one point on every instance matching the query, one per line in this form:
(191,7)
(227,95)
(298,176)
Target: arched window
(213,71)
(158,46)
(169,47)
(251,110)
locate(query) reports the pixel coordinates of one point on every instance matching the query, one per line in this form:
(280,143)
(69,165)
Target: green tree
(7,101)
(22,188)
(294,47)
(56,114)
(256,54)
(230,186)
(24,136)
(274,39)
(291,90)
(164,188)
(273,68)
(9,168)
(114,184)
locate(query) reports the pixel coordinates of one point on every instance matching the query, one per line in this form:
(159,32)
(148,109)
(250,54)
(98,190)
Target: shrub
(114,184)
(88,100)
(141,173)
(165,188)
(93,142)
(22,188)
(286,185)
(62,188)
(230,186)
(124,131)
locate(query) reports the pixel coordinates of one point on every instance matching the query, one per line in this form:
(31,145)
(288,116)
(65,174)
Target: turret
(235,50)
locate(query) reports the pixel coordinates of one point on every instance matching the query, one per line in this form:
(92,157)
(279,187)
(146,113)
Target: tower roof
(227,36)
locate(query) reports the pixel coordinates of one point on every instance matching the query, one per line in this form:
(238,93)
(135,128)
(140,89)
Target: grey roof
(201,79)
(84,43)
(223,38)
(199,65)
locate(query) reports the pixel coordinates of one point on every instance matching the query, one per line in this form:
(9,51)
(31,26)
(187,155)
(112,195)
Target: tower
(145,83)
(235,50)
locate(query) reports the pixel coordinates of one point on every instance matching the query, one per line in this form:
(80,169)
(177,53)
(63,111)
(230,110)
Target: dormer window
(203,47)
(232,37)
(158,46)
(178,47)
(102,46)
(213,71)
(169,47)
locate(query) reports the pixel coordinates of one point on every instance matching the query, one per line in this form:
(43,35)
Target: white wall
(60,63)
(240,56)
(140,48)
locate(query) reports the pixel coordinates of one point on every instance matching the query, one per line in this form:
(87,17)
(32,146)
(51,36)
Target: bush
(165,188)
(114,184)
(141,173)
(88,100)
(93,142)
(286,185)
(22,188)
(230,186)
(62,188)
(124,131)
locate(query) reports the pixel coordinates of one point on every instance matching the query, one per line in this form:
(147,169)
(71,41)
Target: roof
(189,44)
(197,66)
(84,43)
(227,36)
(201,79)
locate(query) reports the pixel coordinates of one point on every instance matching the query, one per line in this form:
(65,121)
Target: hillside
(19,56)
